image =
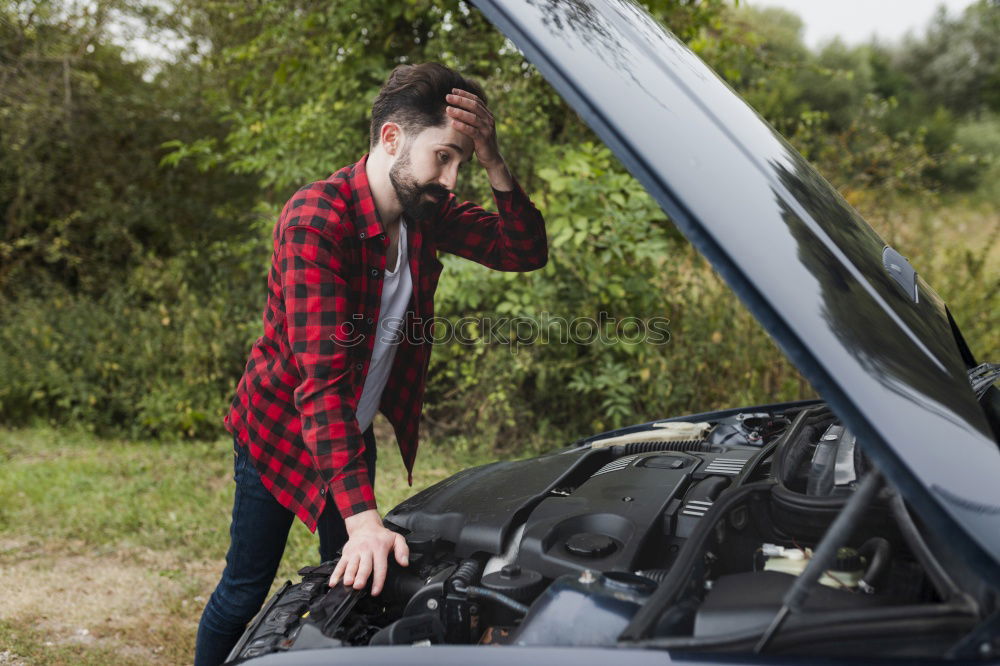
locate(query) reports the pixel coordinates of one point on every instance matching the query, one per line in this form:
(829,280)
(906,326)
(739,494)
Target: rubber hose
(483,593)
(877,551)
(942,582)
(465,575)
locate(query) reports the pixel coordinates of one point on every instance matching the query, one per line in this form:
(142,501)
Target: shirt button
(322,491)
(369,321)
(374,272)
(381,236)
(363,235)
(358,366)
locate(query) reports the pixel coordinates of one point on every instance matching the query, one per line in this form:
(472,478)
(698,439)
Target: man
(355,255)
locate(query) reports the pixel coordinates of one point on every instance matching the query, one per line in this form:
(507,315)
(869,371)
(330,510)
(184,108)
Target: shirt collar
(366,221)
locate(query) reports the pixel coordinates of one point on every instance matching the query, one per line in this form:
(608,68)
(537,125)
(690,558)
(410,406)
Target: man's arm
(513,239)
(316,304)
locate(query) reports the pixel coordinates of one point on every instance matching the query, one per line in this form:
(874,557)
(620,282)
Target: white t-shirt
(397,286)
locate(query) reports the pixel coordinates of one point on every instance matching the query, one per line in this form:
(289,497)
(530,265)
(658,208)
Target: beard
(411,194)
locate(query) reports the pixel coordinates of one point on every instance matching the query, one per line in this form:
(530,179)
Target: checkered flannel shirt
(295,404)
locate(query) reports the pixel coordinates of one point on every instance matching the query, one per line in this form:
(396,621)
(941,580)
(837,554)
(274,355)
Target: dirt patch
(8,658)
(140,604)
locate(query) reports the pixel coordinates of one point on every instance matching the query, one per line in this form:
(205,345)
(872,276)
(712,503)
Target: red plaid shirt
(295,404)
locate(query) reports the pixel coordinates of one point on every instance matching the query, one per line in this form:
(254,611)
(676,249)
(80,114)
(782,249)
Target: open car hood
(873,339)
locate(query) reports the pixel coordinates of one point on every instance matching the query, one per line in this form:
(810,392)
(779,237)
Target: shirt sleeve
(512,239)
(322,338)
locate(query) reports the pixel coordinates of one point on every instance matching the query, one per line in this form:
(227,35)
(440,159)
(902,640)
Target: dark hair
(413,97)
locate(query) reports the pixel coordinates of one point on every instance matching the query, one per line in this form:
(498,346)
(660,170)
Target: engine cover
(476,508)
(575,510)
(604,522)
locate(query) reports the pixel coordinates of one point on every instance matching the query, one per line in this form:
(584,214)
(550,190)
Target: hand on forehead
(470,116)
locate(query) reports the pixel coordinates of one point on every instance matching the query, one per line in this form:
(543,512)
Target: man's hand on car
(366,552)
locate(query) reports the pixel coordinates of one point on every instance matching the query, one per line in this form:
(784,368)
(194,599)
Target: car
(861,525)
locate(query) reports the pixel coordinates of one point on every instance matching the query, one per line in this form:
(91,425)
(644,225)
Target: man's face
(426,169)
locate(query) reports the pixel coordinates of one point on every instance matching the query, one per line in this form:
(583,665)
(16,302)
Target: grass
(28,645)
(109,548)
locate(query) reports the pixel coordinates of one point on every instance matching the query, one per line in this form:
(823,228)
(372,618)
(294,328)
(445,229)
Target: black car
(861,526)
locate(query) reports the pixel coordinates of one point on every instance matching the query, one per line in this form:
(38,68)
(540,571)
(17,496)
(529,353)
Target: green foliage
(957,63)
(862,156)
(137,203)
(617,262)
(156,356)
(82,195)
(980,138)
(862,114)
(297,103)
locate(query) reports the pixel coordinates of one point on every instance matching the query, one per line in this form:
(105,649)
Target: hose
(813,504)
(942,582)
(467,572)
(476,592)
(778,464)
(465,575)
(877,551)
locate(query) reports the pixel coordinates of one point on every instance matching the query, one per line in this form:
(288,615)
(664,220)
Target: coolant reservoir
(588,608)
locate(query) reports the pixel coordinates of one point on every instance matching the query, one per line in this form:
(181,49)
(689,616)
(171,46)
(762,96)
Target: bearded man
(352,276)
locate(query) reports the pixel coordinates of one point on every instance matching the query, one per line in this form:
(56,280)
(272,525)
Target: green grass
(33,647)
(74,504)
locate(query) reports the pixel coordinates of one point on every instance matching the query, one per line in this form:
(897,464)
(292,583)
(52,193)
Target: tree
(956,64)
(82,196)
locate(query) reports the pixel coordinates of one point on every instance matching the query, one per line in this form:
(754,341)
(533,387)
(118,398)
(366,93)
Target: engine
(690,533)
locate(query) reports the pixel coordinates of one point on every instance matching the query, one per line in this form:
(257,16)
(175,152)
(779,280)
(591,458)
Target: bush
(157,356)
(613,257)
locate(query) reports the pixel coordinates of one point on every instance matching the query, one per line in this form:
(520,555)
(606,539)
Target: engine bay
(763,530)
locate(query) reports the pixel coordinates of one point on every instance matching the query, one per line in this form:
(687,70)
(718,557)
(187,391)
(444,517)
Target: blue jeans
(257,534)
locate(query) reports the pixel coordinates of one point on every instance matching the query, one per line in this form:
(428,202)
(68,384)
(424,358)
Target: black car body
(862,526)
